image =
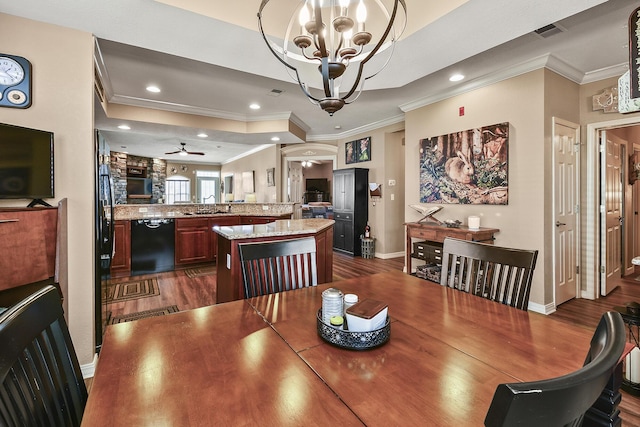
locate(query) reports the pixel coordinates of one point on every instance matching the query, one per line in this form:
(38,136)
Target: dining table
(261,361)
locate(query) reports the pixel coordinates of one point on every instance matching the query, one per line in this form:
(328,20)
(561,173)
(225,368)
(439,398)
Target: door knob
(558,223)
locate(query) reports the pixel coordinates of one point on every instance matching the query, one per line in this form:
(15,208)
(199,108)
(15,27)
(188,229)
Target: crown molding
(247,153)
(605,73)
(359,130)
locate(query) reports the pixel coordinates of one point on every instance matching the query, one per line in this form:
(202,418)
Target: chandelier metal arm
(377,47)
(295,70)
(264,37)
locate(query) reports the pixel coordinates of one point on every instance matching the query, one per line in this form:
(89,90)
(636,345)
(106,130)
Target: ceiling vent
(549,30)
(275,92)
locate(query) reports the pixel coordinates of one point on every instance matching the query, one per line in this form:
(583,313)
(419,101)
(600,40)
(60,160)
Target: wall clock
(15,81)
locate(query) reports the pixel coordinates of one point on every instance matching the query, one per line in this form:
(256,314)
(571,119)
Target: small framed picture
(271,177)
(364,149)
(350,152)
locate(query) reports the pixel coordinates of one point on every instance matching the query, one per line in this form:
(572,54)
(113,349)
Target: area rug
(200,271)
(142,314)
(125,291)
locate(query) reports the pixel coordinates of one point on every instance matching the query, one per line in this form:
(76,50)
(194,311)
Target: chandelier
(325,50)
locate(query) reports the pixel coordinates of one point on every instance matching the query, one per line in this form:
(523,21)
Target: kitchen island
(229,272)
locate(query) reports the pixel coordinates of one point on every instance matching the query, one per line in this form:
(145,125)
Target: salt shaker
(349,300)
(332,304)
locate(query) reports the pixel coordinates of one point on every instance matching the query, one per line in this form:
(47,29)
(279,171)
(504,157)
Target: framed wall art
(358,150)
(271,180)
(467,167)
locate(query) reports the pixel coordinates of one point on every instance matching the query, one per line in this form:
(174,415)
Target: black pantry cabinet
(350,209)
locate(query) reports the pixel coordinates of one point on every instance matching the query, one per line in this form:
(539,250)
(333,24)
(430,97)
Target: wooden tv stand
(435,235)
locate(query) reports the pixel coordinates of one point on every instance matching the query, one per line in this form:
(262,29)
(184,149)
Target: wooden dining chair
(562,401)
(497,273)
(40,379)
(279,265)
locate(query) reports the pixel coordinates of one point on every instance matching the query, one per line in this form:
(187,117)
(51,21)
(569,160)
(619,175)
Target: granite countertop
(133,212)
(284,227)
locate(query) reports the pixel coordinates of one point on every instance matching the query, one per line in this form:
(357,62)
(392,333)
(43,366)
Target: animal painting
(460,169)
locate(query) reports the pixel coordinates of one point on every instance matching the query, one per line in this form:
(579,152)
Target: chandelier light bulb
(304,15)
(361,15)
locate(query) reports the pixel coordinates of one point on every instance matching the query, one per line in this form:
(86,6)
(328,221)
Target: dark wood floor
(188,293)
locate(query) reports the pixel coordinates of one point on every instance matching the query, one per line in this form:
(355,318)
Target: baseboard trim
(541,308)
(90,368)
(391,255)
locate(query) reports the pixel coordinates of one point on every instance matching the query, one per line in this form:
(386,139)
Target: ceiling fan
(183,151)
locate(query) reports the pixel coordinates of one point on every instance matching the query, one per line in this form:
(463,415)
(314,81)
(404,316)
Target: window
(208,186)
(178,190)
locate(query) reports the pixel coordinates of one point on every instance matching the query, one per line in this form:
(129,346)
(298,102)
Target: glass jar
(332,304)
(349,300)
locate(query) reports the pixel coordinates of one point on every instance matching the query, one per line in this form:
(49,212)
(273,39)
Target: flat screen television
(26,163)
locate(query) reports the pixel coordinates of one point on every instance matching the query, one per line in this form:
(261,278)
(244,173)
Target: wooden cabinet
(121,261)
(27,245)
(213,236)
(193,241)
(350,208)
(433,235)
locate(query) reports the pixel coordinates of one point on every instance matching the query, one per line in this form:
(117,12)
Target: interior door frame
(590,281)
(307,151)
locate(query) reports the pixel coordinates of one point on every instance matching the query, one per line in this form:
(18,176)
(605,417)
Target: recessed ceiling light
(456,78)
(254,106)
(338,127)
(124,127)
(275,139)
(202,135)
(152,88)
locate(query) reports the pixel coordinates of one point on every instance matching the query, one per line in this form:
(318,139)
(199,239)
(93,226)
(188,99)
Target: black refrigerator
(104,233)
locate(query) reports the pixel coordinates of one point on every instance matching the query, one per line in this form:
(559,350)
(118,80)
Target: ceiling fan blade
(173,152)
(197,153)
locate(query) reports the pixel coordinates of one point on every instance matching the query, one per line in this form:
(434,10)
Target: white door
(295,188)
(566,184)
(611,187)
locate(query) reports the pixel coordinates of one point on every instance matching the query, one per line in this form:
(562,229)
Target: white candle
(474,222)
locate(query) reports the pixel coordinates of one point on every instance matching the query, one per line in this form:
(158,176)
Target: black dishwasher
(152,245)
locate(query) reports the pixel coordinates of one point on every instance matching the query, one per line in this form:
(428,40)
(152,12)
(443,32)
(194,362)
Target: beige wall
(519,101)
(258,163)
(62,92)
(386,217)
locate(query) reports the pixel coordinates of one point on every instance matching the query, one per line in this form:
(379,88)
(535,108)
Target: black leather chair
(497,273)
(40,379)
(279,265)
(562,401)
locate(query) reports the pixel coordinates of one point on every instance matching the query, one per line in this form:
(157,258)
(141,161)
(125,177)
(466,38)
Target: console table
(435,234)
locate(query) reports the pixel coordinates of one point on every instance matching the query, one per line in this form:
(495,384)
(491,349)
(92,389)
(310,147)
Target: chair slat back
(41,382)
(497,273)
(276,266)
(562,401)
